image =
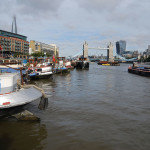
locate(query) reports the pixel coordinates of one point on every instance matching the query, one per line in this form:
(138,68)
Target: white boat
(40,71)
(11,95)
(21,97)
(44,71)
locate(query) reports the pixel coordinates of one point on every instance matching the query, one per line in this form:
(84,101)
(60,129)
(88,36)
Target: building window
(36,46)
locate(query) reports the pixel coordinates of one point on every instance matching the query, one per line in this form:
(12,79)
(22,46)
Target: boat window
(39,70)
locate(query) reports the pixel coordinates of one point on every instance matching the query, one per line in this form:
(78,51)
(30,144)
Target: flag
(0,47)
(53,59)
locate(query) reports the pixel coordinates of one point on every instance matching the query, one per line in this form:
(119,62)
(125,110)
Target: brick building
(13,44)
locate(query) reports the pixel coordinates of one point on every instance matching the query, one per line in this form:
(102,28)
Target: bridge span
(109,49)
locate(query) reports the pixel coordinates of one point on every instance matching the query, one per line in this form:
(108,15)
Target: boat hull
(61,70)
(40,72)
(82,65)
(19,98)
(143,71)
(11,111)
(106,63)
(40,76)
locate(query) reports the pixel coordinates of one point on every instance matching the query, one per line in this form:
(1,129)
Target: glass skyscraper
(120,47)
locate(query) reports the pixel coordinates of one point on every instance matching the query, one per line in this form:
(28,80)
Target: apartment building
(12,43)
(36,46)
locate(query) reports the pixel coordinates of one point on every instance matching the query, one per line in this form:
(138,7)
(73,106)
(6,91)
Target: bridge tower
(85,50)
(110,57)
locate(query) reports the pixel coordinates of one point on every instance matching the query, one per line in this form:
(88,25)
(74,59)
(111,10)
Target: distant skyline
(69,23)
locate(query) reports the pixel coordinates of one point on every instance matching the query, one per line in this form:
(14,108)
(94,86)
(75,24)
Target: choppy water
(103,108)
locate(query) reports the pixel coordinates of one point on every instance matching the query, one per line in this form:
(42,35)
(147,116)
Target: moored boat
(106,63)
(61,70)
(41,71)
(102,63)
(82,64)
(60,67)
(68,65)
(143,71)
(12,96)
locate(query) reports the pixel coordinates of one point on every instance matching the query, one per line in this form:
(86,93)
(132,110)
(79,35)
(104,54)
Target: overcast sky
(68,23)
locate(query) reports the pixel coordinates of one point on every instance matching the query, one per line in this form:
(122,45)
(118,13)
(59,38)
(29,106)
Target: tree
(148,59)
(37,54)
(40,54)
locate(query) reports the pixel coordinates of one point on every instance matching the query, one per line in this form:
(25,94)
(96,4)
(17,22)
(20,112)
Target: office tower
(120,47)
(14,26)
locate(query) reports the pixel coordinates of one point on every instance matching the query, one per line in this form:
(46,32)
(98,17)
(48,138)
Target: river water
(103,108)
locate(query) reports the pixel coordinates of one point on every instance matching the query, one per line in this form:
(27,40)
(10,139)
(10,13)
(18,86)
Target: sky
(69,23)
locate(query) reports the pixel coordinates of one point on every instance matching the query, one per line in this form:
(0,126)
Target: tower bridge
(109,49)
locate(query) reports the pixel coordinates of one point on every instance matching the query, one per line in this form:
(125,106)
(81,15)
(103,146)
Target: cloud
(98,5)
(38,7)
(68,23)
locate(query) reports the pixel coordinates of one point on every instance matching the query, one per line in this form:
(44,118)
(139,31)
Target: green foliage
(18,53)
(28,64)
(144,59)
(48,55)
(129,57)
(147,59)
(40,54)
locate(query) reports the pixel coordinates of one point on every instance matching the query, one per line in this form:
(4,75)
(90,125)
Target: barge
(143,71)
(107,63)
